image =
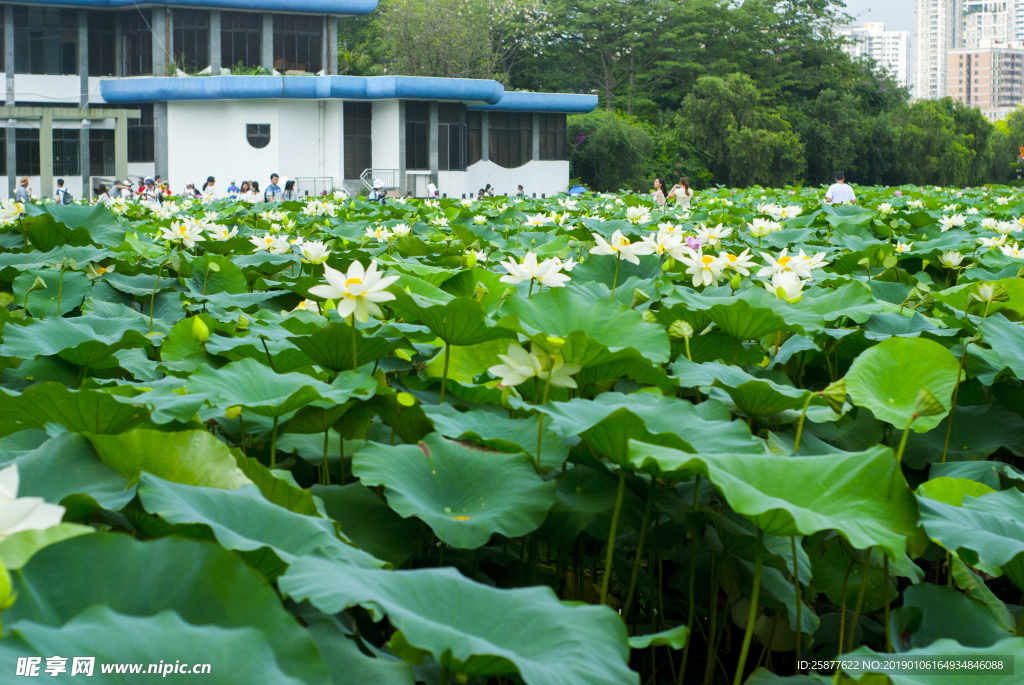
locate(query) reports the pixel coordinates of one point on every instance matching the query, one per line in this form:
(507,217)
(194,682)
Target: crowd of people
(156,189)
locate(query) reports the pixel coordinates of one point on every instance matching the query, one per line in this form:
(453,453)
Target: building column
(432,153)
(12,157)
(83,58)
(485,137)
(121,148)
(46,153)
(536,137)
(160,147)
(84,158)
(402,189)
(118,55)
(9,52)
(160,47)
(325,42)
(267,46)
(332,44)
(215,64)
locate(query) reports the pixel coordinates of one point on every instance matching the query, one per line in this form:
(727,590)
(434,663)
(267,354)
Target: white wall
(384,131)
(538,177)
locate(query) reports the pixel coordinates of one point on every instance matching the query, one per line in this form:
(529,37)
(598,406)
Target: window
(101,152)
(258,135)
(511,138)
(102,32)
(136,42)
(3,145)
(26,151)
(451,137)
(417,144)
(141,135)
(45,40)
(191,39)
(298,43)
(358,141)
(475,137)
(552,136)
(66,152)
(241,39)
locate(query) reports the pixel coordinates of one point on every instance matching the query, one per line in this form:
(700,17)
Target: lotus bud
(648,316)
(990,292)
(7,594)
(555,344)
(680,329)
(927,404)
(471,259)
(508,392)
(233,412)
(735,282)
(835,395)
(479,291)
(38,284)
(639,297)
(406,400)
(243,322)
(894,224)
(200,332)
(666,266)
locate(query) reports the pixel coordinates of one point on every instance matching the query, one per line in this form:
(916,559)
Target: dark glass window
(102,33)
(101,152)
(66,157)
(552,136)
(417,144)
(475,137)
(140,135)
(241,39)
(358,141)
(298,42)
(136,42)
(45,40)
(511,138)
(3,146)
(258,135)
(3,45)
(191,40)
(26,151)
(451,137)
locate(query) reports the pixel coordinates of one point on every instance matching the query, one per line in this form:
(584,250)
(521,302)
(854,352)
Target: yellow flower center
(353,281)
(100,271)
(182,230)
(623,242)
(707,259)
(732,259)
(783,261)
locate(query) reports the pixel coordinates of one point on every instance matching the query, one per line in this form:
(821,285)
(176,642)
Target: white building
(937,25)
(97,89)
(889,49)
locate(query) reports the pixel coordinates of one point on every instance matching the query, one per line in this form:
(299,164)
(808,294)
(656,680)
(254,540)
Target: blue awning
(299,6)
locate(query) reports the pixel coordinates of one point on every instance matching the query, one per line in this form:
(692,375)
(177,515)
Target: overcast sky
(898,15)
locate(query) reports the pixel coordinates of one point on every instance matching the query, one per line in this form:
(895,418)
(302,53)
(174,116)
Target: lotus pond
(555,441)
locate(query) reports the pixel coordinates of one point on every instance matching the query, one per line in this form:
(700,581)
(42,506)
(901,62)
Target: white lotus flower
(479,219)
(989,224)
(319,208)
(790,212)
(1013,252)
(308,306)
(706,269)
(786,286)
(381,234)
(440,221)
(620,245)
(536,220)
(23,513)
(401,230)
(915,203)
(949,208)
(901,247)
(972,210)
(784,263)
(884,208)
(357,292)
(951,259)
(187,232)
(315,252)
(1007,227)
(9,212)
(712,237)
(220,233)
(663,243)
(466,202)
(992,242)
(269,242)
(94,272)
(638,214)
(762,227)
(740,263)
(519,365)
(948,222)
(546,273)
(1001,200)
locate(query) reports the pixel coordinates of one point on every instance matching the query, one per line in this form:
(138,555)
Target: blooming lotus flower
(466,202)
(949,208)
(989,223)
(314,252)
(357,292)
(271,243)
(620,246)
(784,262)
(18,514)
(663,243)
(1001,200)
(381,234)
(915,203)
(319,208)
(1006,227)
(786,286)
(94,272)
(992,242)
(948,222)
(307,306)
(790,212)
(401,230)
(706,269)
(569,204)
(712,237)
(884,208)
(815,262)
(1013,252)
(740,263)
(221,233)
(187,232)
(951,259)
(479,219)
(901,247)
(519,365)
(638,214)
(440,221)
(546,273)
(972,210)
(536,220)
(9,212)
(762,227)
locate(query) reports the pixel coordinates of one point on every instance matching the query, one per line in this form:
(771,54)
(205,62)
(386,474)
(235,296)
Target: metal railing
(388,176)
(314,186)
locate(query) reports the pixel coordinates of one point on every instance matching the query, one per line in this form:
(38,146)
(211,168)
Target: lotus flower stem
(842,609)
(903,440)
(540,426)
(241,428)
(952,409)
(1020,622)
(800,430)
(152,297)
(796,587)
(709,666)
(325,473)
(273,445)
(752,616)
(444,381)
(60,287)
(611,536)
(693,572)
(615,278)
(355,340)
(885,590)
(639,551)
(860,599)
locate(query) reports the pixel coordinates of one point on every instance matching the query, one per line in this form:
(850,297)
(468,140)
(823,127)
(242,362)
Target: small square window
(258,135)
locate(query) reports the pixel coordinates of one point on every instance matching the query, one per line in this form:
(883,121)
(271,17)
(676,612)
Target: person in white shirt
(839,191)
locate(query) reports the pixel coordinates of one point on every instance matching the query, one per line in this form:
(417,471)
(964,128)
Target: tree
(446,38)
(608,151)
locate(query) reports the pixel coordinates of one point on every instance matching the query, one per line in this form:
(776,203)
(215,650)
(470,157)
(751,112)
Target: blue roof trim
(294,6)
(541,102)
(162,88)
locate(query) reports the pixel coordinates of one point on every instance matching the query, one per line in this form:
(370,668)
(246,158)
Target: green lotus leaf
(586,500)
(331,347)
(80,411)
(977,432)
(465,495)
(889,324)
(753,395)
(96,222)
(1006,340)
(83,340)
(140,285)
(972,583)
(674,638)
(17,549)
(202,583)
(938,612)
(886,379)
(959,297)
(952,490)
(866,499)
(461,321)
(995,474)
(70,288)
(369,522)
(475,629)
(216,274)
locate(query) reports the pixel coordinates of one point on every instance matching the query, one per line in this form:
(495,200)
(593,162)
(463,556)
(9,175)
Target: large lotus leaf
(987,532)
(140,285)
(369,522)
(80,411)
(1006,340)
(745,322)
(978,431)
(61,294)
(249,384)
(243,520)
(994,474)
(343,653)
(862,495)
(192,457)
(560,311)
(803,321)
(754,396)
(17,549)
(462,321)
(675,638)
(975,587)
(853,301)
(887,378)
(331,347)
(499,432)
(96,222)
(475,629)
(465,495)
(216,274)
(202,583)
(45,233)
(586,500)
(946,650)
(932,612)
(888,324)
(236,656)
(608,422)
(959,297)
(284,357)
(83,340)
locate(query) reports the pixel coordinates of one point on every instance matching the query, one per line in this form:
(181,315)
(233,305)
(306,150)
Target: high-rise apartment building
(937,25)
(989,77)
(984,20)
(890,49)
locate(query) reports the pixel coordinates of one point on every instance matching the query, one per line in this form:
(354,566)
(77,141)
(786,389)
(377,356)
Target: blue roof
(489,93)
(301,6)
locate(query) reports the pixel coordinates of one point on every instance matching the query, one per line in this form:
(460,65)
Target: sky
(898,15)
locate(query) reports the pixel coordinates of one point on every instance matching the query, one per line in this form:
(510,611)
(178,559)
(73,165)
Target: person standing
(23,194)
(839,192)
(63,198)
(682,193)
(232,190)
(378,195)
(520,192)
(273,191)
(659,193)
(289,192)
(209,193)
